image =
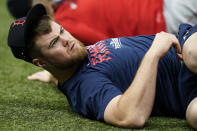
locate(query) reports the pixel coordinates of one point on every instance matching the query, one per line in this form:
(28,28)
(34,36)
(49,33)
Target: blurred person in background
(93,20)
(113,18)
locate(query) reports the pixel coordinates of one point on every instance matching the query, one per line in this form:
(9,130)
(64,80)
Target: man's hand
(162,43)
(43,76)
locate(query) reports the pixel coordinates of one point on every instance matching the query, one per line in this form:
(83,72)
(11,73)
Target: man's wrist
(152,55)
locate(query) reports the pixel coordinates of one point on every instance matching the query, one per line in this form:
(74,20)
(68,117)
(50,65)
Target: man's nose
(64,41)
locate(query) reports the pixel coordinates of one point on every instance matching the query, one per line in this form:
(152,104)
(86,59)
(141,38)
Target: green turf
(27,105)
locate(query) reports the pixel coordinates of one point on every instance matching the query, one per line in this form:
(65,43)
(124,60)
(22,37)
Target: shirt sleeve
(96,92)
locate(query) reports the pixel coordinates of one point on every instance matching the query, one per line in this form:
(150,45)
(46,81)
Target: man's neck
(63,75)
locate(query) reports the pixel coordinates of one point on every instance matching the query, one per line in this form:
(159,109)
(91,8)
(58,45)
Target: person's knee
(190,52)
(191,113)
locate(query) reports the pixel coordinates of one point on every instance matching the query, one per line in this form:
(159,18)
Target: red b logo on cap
(19,22)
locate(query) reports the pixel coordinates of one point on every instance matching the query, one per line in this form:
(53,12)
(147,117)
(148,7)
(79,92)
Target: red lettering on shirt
(99,53)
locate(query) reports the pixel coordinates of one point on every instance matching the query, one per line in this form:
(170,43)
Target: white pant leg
(177,12)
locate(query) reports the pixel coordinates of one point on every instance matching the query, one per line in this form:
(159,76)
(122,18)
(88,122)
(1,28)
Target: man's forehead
(45,39)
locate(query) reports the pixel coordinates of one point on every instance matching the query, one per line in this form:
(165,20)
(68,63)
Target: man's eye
(54,42)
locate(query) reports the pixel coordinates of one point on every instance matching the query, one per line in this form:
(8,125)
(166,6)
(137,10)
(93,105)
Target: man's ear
(38,62)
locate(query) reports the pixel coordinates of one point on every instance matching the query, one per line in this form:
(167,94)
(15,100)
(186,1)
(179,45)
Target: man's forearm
(141,92)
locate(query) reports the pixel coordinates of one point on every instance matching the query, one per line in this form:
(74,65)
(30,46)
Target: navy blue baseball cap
(185,31)
(21,30)
(18,8)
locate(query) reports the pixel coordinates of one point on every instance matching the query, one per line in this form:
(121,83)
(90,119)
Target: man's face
(60,49)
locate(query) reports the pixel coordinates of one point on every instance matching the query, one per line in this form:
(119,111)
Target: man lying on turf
(96,20)
(122,81)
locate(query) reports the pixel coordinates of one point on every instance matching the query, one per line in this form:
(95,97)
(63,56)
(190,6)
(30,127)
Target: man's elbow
(123,118)
(137,122)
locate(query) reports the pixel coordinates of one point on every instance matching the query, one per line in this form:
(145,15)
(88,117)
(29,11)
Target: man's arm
(133,108)
(43,76)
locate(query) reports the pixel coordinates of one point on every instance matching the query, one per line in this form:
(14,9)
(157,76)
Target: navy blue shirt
(108,70)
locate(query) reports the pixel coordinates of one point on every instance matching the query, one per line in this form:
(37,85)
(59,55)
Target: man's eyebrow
(56,38)
(61,28)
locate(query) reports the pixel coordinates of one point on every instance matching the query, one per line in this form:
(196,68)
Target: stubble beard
(76,59)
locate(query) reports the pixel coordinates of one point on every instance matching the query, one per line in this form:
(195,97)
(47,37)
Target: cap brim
(33,17)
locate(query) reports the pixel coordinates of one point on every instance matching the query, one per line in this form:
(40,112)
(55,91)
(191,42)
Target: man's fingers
(178,48)
(34,77)
(176,44)
(43,76)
